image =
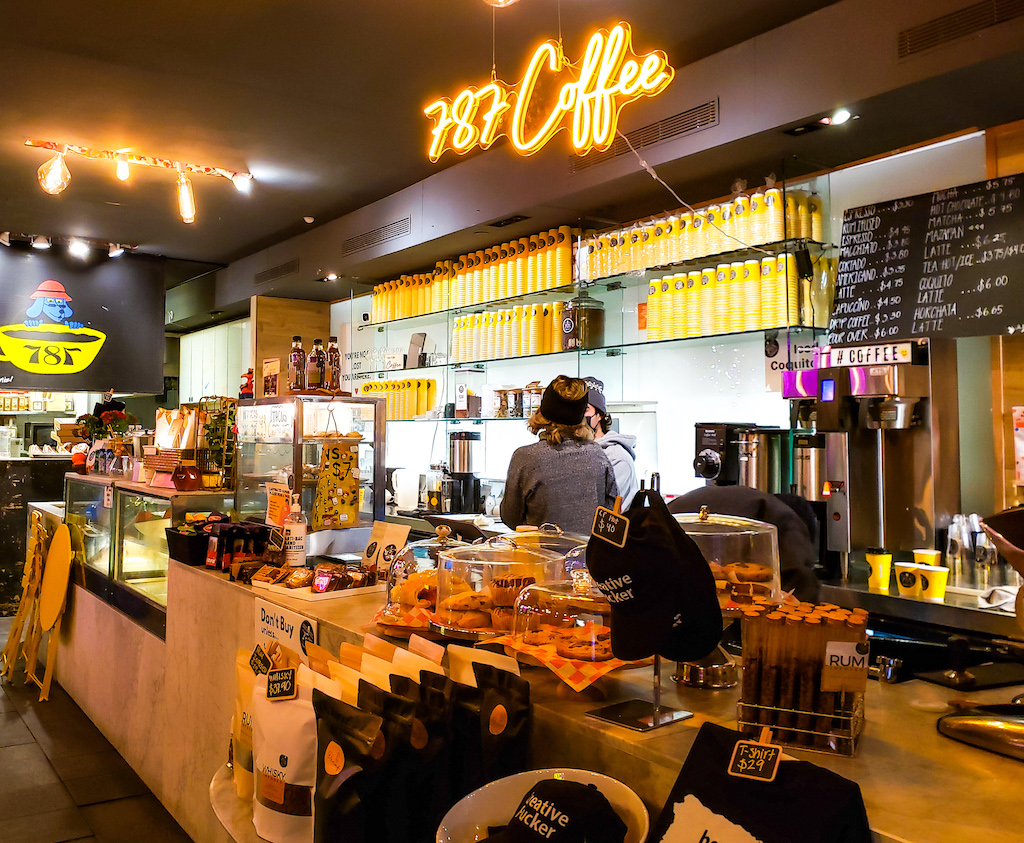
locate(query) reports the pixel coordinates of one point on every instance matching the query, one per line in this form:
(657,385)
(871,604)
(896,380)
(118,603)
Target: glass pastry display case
(412,584)
(322,448)
(477,586)
(573,616)
(117,530)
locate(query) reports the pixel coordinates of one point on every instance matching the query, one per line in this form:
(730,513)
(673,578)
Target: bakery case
(283,440)
(117,536)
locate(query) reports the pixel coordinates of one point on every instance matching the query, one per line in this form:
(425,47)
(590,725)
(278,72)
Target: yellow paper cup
(924,556)
(880,565)
(933,582)
(907,580)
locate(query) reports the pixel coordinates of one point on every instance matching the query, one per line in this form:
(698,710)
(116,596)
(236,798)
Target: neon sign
(607,77)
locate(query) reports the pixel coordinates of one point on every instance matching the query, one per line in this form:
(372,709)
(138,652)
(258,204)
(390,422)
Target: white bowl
(495,803)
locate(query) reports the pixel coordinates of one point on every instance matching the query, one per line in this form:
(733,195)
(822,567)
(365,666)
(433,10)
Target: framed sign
(69,326)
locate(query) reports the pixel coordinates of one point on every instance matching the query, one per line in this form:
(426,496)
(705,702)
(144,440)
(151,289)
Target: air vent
(684,123)
(508,221)
(966,21)
(398,228)
(276,272)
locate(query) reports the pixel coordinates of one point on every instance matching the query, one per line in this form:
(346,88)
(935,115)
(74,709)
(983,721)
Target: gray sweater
(558,484)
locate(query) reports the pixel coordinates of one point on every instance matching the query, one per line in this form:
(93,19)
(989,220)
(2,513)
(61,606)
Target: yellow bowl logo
(50,349)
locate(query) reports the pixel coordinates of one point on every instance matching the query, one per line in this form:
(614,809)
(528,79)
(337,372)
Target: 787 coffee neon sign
(607,77)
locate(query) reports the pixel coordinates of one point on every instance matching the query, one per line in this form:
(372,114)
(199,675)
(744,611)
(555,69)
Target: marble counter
(167,707)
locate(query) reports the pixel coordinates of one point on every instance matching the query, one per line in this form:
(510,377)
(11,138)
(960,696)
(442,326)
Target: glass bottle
(333,382)
(297,366)
(316,366)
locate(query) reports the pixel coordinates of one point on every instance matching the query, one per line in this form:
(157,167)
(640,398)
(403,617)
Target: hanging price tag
(611,525)
(756,759)
(259,661)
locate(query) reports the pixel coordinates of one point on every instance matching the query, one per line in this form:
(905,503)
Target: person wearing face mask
(620,448)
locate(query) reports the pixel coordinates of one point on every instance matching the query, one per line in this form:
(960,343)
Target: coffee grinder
(465,485)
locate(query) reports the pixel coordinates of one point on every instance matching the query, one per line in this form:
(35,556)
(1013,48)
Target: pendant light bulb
(186,198)
(54,175)
(40,242)
(242,182)
(122,171)
(115,250)
(500,4)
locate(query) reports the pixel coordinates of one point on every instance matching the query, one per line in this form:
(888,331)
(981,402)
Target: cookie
(747,572)
(468,601)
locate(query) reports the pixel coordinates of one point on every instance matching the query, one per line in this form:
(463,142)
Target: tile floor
(60,780)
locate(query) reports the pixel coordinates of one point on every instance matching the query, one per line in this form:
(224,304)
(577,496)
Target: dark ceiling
(321,101)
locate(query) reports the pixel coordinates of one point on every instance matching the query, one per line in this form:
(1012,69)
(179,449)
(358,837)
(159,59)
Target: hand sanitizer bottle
(295,536)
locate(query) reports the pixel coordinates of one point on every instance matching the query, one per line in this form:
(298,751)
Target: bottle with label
(333,376)
(295,536)
(316,366)
(297,366)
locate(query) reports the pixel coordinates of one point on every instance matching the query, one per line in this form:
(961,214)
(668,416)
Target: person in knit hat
(562,478)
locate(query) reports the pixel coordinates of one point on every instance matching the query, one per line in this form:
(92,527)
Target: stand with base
(642,715)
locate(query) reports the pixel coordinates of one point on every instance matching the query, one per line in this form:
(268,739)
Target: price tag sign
(108,497)
(281,684)
(752,760)
(610,526)
(259,661)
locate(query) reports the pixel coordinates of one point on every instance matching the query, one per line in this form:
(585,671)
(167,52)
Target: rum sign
(590,96)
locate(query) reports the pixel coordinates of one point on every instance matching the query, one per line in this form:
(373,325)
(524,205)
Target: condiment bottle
(297,366)
(295,536)
(316,366)
(333,378)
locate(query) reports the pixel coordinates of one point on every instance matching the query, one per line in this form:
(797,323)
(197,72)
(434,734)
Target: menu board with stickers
(942,264)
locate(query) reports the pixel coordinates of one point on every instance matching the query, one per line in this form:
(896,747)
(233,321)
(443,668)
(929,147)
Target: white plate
(495,803)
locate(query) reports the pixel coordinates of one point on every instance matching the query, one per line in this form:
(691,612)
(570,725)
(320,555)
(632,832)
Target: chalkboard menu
(949,263)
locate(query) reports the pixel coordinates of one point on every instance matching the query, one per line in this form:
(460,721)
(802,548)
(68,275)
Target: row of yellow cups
(767,216)
(405,398)
(922,579)
(514,332)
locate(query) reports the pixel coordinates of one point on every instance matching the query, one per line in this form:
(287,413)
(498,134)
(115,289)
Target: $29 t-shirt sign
(949,263)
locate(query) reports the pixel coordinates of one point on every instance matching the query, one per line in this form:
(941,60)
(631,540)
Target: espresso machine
(882,442)
(461,488)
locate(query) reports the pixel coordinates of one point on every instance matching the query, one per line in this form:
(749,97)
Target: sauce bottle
(333,378)
(297,366)
(316,366)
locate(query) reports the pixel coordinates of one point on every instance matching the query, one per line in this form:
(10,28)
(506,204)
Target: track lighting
(54,175)
(78,248)
(40,242)
(5,238)
(115,250)
(186,198)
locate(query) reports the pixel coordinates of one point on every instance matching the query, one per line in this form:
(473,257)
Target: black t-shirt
(804,804)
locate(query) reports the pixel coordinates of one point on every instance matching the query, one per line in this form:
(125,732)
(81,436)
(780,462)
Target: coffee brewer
(886,451)
(461,490)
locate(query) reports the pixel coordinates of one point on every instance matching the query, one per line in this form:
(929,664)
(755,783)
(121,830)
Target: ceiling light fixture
(115,250)
(5,238)
(840,117)
(186,198)
(78,248)
(54,175)
(332,276)
(40,242)
(501,4)
(122,170)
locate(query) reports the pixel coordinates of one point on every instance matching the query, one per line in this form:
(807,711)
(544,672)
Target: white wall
(214,360)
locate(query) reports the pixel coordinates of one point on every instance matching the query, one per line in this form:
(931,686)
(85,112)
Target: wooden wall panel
(1004,147)
(274,323)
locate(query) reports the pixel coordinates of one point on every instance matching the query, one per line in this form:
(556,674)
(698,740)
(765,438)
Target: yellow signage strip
(608,76)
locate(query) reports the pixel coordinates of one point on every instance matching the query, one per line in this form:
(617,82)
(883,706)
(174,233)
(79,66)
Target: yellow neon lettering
(527,147)
(655,74)
(629,78)
(463,112)
(492,118)
(581,118)
(608,76)
(440,132)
